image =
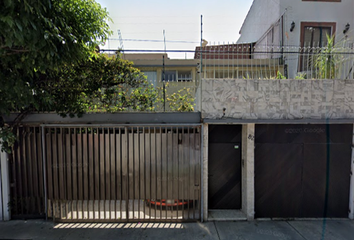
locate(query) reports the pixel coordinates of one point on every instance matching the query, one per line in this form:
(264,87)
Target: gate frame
(5,214)
(247,168)
(99,125)
(351,190)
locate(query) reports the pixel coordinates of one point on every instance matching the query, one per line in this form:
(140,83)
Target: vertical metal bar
(60,169)
(31,144)
(161,176)
(72,169)
(144,159)
(155,152)
(76,174)
(189,166)
(201,208)
(96,148)
(69,172)
(112,151)
(91,146)
(177,159)
(80,174)
(2,217)
(15,177)
(60,179)
(183,172)
(133,162)
(121,172)
(127,171)
(44,175)
(194,170)
(115,173)
(50,172)
(102,173)
(172,169)
(25,175)
(66,169)
(167,157)
(150,172)
(108,170)
(86,171)
(139,175)
(53,172)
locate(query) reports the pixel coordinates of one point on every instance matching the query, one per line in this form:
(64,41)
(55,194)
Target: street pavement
(281,230)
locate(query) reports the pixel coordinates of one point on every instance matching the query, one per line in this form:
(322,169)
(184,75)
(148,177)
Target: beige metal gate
(113,173)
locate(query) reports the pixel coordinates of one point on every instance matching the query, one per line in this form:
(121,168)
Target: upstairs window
(313,36)
(321,0)
(316,36)
(169,76)
(184,76)
(180,76)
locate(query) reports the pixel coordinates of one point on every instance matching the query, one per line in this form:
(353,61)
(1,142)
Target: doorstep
(226,215)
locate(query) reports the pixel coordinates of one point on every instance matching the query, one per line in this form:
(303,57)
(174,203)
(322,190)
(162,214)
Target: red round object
(164,203)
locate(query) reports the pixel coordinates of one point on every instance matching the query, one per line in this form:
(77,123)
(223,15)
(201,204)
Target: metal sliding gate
(111,173)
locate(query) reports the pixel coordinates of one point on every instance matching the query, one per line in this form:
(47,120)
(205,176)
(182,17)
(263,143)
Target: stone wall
(277,99)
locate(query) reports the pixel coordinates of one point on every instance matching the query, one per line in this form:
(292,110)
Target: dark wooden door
(302,171)
(224,178)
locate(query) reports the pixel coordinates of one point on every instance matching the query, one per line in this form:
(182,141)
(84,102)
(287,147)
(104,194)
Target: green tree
(48,62)
(38,37)
(101,84)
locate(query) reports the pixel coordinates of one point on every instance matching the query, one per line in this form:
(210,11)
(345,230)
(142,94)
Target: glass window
(316,36)
(184,76)
(169,76)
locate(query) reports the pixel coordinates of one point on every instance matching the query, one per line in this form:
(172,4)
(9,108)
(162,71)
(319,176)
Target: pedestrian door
(224,178)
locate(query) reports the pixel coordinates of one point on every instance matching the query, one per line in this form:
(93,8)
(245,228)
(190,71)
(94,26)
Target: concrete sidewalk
(284,230)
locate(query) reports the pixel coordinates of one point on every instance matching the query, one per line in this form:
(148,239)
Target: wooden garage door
(302,171)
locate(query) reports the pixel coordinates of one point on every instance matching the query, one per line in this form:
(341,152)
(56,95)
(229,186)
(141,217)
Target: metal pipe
(351,194)
(202,174)
(120,125)
(44,175)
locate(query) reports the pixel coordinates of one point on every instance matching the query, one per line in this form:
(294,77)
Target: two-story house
(300,24)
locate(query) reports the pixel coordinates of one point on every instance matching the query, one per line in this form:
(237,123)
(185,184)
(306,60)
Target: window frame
(332,25)
(322,0)
(177,72)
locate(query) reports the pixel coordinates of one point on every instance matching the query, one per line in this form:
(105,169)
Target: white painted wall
(299,11)
(264,13)
(4,187)
(258,20)
(247,179)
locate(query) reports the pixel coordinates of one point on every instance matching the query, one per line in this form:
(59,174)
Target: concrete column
(1,211)
(248,137)
(351,192)
(4,187)
(205,171)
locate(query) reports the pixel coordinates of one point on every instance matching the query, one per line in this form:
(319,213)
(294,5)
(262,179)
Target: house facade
(298,24)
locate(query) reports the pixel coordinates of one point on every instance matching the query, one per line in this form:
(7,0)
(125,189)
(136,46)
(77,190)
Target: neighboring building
(158,67)
(175,76)
(235,61)
(294,24)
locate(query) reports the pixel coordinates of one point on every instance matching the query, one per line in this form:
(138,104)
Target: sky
(142,23)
